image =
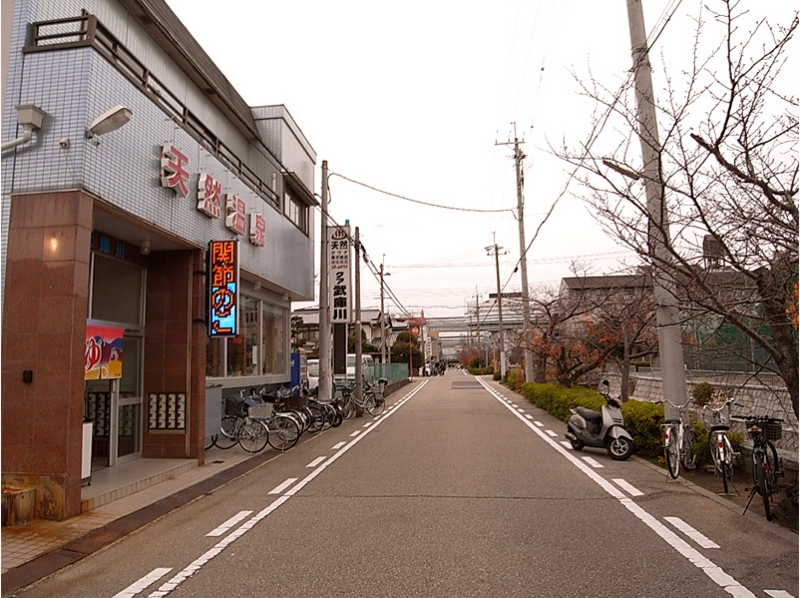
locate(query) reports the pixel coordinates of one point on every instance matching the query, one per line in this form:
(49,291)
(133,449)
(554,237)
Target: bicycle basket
(233,405)
(773,430)
(712,418)
(260,411)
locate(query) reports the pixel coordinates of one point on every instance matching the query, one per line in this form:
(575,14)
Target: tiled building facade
(113,230)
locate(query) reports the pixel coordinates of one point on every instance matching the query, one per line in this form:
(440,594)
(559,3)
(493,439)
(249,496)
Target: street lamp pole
(324,324)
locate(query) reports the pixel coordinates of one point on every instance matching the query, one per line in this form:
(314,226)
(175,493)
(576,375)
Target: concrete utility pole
(324,325)
(523,260)
(383,326)
(670,350)
(496,250)
(359,365)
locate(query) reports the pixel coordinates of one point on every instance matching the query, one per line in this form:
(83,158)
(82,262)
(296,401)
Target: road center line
(316,461)
(714,572)
(281,487)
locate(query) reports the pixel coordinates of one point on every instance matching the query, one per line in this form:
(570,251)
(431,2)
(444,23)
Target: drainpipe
(30,117)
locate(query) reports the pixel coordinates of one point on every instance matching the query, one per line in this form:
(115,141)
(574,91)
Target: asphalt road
(454,491)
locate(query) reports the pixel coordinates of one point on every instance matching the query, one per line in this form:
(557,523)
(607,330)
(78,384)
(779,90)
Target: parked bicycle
(763,430)
(254,423)
(679,439)
(717,420)
(371,401)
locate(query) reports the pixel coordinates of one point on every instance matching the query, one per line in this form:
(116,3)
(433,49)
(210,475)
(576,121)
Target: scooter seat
(588,414)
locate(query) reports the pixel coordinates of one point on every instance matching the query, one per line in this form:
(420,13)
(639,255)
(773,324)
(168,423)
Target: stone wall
(765,395)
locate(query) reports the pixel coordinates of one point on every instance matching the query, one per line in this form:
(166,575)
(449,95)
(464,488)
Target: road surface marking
(778,593)
(366,425)
(592,462)
(713,571)
(529,416)
(338,445)
(145,581)
(567,445)
(540,424)
(687,529)
(316,461)
(521,410)
(551,433)
(223,529)
(627,487)
(356,433)
(217,549)
(281,487)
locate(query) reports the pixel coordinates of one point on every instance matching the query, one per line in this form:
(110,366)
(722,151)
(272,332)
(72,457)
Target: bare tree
(729,174)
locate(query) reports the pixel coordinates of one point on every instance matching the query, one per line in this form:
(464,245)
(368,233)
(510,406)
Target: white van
(351,364)
(313,373)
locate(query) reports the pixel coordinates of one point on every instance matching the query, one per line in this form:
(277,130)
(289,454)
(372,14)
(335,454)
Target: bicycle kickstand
(749,500)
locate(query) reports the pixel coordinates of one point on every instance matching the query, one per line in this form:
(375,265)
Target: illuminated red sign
(223,288)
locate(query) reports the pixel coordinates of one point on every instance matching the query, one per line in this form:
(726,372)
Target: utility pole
(523,260)
(324,324)
(383,327)
(359,365)
(477,320)
(673,378)
(496,250)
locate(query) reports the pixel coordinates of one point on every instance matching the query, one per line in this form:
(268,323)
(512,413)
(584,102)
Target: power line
(417,201)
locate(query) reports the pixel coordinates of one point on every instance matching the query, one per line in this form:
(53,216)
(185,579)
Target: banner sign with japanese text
(102,355)
(223,288)
(339,277)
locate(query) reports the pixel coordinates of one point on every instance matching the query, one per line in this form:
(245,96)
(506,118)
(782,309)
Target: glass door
(128,428)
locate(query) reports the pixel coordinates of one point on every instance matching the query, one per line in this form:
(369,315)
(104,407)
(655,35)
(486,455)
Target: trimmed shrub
(643,421)
(702,393)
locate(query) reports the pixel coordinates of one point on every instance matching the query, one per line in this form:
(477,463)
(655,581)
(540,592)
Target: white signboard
(339,278)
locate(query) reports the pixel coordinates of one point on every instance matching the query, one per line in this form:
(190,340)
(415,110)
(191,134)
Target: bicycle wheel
(687,450)
(253,436)
(376,406)
(348,409)
(283,432)
(329,413)
(228,431)
(760,481)
(672,453)
(316,418)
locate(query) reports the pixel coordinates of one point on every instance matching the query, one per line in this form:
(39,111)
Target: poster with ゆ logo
(102,357)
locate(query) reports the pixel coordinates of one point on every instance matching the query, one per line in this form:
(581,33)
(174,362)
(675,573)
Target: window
(260,348)
(117,289)
(296,211)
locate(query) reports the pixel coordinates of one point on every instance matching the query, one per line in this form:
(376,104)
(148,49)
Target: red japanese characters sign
(223,288)
(209,196)
(173,169)
(235,213)
(258,230)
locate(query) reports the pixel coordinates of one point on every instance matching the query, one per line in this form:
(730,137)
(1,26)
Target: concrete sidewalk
(121,499)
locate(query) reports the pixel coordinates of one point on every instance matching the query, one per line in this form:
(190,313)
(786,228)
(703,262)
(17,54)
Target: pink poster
(103,352)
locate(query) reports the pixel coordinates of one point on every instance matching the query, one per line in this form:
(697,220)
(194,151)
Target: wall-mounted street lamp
(109,121)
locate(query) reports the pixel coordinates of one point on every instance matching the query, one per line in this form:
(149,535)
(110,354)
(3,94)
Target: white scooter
(601,430)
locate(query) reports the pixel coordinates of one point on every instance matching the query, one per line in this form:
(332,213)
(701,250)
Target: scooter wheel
(619,449)
(576,444)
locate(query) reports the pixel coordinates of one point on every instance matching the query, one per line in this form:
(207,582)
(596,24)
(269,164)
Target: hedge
(643,420)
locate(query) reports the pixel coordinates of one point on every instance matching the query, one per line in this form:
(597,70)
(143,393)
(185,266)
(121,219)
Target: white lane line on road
(693,534)
(538,423)
(218,548)
(316,461)
(225,527)
(281,487)
(778,593)
(551,434)
(567,445)
(356,433)
(629,488)
(591,461)
(714,572)
(338,445)
(367,425)
(142,584)
(529,416)
(520,410)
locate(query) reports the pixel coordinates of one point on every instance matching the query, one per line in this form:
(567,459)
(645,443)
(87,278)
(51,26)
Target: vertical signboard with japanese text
(339,278)
(223,288)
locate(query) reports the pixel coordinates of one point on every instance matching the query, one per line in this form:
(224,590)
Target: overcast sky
(417,98)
